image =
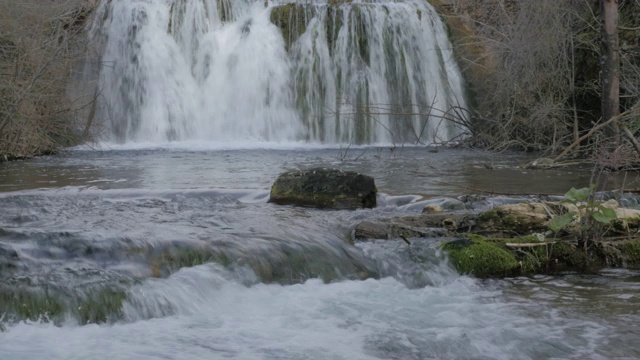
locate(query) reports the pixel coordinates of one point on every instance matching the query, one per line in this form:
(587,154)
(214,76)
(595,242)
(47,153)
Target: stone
(325,189)
(430,209)
(626,218)
(481,258)
(415,226)
(372,230)
(519,218)
(443,204)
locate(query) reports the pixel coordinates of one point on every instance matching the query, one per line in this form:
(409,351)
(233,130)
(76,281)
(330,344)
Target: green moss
(102,307)
(324,188)
(632,250)
(292,21)
(172,260)
(481,258)
(498,219)
(29,305)
(490,257)
(630,253)
(292,265)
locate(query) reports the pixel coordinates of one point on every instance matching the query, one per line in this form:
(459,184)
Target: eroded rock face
(324,188)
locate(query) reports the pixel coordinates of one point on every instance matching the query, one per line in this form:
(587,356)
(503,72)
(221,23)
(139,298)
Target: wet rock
(383,231)
(481,258)
(430,209)
(324,188)
(8,258)
(443,204)
(485,257)
(630,201)
(292,20)
(518,218)
(425,226)
(626,218)
(372,230)
(451,221)
(622,253)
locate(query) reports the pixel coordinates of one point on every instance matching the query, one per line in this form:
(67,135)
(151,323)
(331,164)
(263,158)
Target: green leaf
(559,222)
(603,214)
(600,217)
(578,195)
(608,212)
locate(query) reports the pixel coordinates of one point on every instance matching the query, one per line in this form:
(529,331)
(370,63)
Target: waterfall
(370,72)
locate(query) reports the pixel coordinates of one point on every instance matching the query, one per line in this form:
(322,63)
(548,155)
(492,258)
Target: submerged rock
(324,188)
(443,204)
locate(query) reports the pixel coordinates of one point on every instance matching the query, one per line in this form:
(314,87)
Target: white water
(215,318)
(96,220)
(207,70)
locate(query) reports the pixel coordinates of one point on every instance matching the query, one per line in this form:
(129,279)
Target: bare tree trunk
(610,63)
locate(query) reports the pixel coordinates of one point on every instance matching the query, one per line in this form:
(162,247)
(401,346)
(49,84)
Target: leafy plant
(593,215)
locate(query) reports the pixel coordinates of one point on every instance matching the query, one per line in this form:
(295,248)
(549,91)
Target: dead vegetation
(533,70)
(40,45)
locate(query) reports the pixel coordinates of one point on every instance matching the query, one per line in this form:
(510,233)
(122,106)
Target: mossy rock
(292,20)
(20,305)
(622,253)
(104,306)
(481,258)
(324,188)
(631,254)
(293,266)
(518,218)
(97,306)
(484,257)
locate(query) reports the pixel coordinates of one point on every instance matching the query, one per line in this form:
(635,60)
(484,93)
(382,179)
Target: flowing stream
(175,253)
(161,243)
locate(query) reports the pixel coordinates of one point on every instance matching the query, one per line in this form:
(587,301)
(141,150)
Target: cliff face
(37,50)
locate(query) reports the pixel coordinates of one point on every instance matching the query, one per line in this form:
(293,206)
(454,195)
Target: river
(279,282)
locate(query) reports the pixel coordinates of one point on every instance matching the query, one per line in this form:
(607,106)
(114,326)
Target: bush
(41,41)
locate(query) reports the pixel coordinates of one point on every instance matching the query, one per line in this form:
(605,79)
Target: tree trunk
(610,64)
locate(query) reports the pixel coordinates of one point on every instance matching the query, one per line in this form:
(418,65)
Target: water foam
(221,71)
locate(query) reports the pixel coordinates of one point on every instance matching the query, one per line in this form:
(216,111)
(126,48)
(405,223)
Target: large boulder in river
(324,188)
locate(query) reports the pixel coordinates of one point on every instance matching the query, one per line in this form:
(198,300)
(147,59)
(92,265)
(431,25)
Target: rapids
(89,228)
(160,243)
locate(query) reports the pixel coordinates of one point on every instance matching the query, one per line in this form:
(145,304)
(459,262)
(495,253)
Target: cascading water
(377,71)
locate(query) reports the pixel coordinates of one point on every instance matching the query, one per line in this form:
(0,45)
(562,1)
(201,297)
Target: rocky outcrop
(485,257)
(515,239)
(324,188)
(425,225)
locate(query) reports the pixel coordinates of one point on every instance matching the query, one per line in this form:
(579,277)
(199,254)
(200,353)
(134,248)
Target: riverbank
(41,52)
(516,236)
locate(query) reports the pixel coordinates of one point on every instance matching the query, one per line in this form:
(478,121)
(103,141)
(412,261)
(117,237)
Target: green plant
(593,216)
